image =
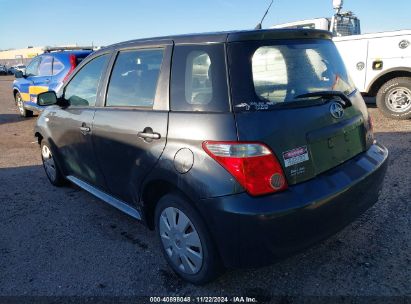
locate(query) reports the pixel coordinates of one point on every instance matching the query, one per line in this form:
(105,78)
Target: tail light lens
(253,165)
(73,64)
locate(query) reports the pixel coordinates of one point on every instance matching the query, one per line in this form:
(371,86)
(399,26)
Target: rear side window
(133,81)
(82,89)
(33,68)
(198,84)
(199,79)
(46,66)
(58,66)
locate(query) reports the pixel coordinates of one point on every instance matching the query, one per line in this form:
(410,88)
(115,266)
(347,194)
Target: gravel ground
(65,242)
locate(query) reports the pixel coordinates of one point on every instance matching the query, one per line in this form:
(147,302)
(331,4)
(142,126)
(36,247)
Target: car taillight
(73,64)
(253,165)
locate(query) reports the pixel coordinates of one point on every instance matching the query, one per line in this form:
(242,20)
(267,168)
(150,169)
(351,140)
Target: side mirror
(47,98)
(18,74)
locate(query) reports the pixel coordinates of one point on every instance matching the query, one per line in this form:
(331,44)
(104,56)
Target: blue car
(45,72)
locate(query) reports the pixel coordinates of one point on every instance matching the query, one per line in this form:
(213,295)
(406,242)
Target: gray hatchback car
(237,148)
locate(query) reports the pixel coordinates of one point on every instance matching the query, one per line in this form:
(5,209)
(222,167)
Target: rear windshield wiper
(344,101)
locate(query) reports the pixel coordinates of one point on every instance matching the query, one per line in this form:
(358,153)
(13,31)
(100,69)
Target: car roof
(229,36)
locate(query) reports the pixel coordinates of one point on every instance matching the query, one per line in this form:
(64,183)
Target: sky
(60,22)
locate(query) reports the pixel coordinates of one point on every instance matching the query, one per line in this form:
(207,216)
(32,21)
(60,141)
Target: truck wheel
(394,98)
(50,167)
(20,106)
(185,241)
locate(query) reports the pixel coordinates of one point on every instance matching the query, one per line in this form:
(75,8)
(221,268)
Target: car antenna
(259,26)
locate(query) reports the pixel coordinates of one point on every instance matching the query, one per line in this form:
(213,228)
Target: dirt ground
(65,242)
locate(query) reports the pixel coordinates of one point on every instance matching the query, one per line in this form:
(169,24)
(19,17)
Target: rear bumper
(254,231)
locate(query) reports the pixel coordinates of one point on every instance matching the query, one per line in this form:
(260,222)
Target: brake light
(73,64)
(253,165)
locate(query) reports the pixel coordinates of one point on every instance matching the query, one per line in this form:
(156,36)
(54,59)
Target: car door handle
(147,135)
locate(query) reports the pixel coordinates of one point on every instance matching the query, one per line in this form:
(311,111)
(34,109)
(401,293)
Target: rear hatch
(294,94)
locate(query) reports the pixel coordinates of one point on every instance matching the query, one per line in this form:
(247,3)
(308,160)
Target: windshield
(269,73)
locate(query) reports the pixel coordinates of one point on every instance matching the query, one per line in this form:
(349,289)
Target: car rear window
(199,79)
(79,58)
(268,73)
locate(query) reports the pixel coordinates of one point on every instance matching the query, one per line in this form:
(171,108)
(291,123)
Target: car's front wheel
(49,164)
(394,98)
(20,105)
(185,241)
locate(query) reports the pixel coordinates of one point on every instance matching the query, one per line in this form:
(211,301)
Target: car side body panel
(184,162)
(123,156)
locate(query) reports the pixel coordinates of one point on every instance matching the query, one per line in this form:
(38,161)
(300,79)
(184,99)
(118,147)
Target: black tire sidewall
(383,94)
(59,179)
(211,262)
(26,113)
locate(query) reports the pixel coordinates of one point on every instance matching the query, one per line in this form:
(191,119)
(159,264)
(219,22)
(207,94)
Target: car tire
(20,105)
(184,240)
(394,98)
(53,172)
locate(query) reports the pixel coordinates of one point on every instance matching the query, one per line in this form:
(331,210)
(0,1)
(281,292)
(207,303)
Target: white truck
(379,63)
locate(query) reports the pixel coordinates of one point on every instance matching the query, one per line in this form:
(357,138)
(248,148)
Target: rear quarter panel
(206,178)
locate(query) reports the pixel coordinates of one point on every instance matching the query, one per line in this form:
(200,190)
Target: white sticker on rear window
(295,156)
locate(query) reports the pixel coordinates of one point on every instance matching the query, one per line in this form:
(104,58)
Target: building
(24,56)
(20,56)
